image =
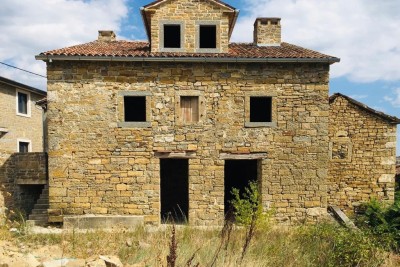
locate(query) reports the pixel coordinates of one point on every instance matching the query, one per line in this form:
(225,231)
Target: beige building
(21,126)
(165,129)
(21,120)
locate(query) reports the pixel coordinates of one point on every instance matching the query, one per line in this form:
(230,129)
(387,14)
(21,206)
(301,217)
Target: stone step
(36,223)
(45,192)
(38,217)
(39,211)
(43,201)
(41,206)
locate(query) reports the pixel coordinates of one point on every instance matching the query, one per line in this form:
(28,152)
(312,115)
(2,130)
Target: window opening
(260,109)
(172,36)
(135,108)
(22,103)
(190,108)
(208,36)
(23,147)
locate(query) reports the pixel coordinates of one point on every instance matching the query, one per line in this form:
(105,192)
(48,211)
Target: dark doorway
(174,190)
(238,174)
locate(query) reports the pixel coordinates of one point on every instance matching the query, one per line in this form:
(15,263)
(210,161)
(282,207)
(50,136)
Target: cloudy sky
(365,34)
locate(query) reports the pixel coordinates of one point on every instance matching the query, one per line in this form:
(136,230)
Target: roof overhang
(50,58)
(22,86)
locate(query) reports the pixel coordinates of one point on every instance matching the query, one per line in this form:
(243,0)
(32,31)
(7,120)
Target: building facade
(165,129)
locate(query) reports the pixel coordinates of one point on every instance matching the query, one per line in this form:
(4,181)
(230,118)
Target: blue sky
(363,33)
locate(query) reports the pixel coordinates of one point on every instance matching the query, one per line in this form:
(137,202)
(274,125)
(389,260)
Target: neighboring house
(21,132)
(362,153)
(166,128)
(21,121)
(397,169)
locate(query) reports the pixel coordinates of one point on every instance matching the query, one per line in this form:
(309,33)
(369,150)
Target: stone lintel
(175,154)
(242,156)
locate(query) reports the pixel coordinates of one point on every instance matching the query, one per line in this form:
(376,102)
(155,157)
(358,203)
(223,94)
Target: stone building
(165,129)
(21,132)
(362,153)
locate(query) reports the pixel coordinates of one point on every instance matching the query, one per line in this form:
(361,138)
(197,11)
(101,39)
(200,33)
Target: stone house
(21,140)
(165,129)
(362,152)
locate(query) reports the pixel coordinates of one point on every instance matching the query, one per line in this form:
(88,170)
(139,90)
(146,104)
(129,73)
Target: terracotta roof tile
(142,49)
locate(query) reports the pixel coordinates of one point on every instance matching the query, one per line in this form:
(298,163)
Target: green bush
(333,245)
(383,221)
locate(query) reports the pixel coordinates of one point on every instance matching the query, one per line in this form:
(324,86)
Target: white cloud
(28,29)
(394,100)
(363,33)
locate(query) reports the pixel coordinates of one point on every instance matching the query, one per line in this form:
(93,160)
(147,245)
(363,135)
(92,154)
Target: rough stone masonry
(102,163)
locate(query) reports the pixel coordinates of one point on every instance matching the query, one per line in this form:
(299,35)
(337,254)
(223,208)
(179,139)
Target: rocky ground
(18,254)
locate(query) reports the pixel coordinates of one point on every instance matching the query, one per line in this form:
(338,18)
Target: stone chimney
(106,36)
(267,32)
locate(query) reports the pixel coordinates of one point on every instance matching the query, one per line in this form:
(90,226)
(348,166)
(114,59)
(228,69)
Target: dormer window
(208,36)
(172,36)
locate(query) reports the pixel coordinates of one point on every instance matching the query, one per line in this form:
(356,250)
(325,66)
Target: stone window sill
(259,124)
(134,124)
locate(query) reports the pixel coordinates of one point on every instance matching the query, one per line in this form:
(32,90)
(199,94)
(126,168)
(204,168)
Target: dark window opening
(237,174)
(174,174)
(172,36)
(208,36)
(22,103)
(260,109)
(190,108)
(23,147)
(135,108)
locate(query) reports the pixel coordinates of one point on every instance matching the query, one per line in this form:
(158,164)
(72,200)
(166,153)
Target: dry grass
(277,246)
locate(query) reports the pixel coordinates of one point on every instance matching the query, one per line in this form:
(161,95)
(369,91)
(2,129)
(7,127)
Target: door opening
(174,174)
(238,174)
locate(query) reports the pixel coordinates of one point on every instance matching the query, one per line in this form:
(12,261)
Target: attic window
(260,109)
(208,36)
(172,36)
(135,108)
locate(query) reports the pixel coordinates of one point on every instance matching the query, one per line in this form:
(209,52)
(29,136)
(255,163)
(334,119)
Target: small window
(22,103)
(172,36)
(208,36)
(23,147)
(135,108)
(260,109)
(190,108)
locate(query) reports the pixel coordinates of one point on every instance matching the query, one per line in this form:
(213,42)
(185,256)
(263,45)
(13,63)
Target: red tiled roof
(132,49)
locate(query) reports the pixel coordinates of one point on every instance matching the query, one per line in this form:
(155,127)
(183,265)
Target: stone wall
(188,12)
(22,175)
(362,156)
(97,167)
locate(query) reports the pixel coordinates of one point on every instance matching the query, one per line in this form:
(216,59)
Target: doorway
(237,174)
(174,175)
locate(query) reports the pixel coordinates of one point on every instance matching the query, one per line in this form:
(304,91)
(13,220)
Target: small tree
(248,211)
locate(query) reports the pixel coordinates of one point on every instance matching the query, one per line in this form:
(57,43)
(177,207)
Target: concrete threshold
(102,222)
